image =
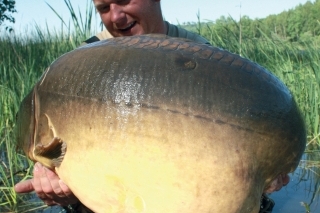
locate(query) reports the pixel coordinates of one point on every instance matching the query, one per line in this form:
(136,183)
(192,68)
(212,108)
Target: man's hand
(278,183)
(48,187)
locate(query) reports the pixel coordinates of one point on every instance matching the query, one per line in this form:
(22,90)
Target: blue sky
(37,11)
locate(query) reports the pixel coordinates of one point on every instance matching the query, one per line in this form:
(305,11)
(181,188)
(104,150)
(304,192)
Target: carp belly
(155,162)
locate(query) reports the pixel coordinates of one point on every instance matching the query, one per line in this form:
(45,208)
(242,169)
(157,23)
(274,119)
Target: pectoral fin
(52,154)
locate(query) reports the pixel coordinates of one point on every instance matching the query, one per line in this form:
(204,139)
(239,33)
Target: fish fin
(52,154)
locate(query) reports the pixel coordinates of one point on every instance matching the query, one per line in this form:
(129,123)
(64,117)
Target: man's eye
(103,9)
(123,2)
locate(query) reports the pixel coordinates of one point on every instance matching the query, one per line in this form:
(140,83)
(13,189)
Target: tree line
(7,8)
(297,24)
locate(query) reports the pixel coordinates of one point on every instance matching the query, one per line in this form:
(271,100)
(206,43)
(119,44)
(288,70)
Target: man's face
(130,17)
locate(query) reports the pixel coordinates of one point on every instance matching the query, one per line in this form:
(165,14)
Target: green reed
(21,63)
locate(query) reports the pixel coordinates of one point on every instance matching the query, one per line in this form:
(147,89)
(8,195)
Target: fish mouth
(127,28)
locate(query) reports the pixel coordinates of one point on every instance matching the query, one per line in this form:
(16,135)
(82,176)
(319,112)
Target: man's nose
(116,13)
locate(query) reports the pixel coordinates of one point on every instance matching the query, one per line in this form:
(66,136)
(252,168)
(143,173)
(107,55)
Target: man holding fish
(121,18)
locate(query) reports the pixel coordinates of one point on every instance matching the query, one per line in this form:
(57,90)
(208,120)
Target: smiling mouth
(128,27)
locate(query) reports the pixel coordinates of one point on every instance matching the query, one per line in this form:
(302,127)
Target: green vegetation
(294,58)
(298,24)
(20,66)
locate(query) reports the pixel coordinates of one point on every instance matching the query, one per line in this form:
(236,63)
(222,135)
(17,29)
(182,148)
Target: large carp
(159,124)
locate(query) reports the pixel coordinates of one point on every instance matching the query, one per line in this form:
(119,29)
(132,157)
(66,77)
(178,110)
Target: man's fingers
(72,198)
(41,182)
(285,179)
(65,188)
(48,187)
(53,180)
(278,183)
(54,191)
(24,186)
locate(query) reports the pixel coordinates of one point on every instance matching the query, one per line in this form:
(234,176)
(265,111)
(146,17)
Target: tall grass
(22,63)
(83,25)
(23,60)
